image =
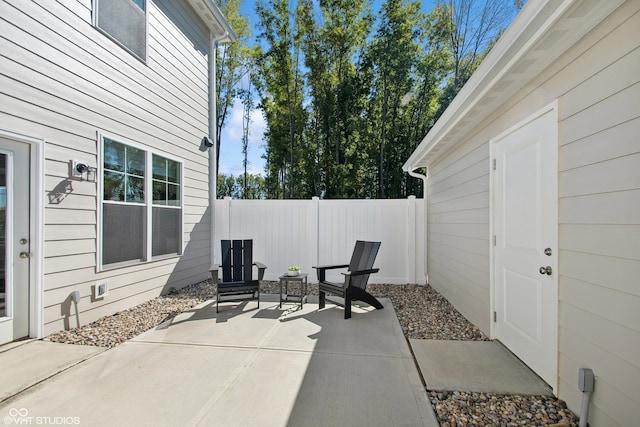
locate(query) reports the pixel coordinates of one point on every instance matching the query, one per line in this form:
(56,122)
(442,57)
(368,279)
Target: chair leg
(359,294)
(217,301)
(347,303)
(321,299)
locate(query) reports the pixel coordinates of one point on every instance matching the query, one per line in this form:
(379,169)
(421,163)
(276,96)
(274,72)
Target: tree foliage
(347,97)
(244,186)
(233,59)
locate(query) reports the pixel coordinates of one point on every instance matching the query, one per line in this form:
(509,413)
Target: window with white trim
(141,203)
(125,21)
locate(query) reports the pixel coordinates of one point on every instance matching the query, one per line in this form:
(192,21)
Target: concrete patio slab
(26,363)
(246,367)
(479,366)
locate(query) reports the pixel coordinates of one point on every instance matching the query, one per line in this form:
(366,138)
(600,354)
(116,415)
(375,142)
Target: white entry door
(14,240)
(525,252)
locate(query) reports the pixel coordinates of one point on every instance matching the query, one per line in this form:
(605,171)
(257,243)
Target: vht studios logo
(21,417)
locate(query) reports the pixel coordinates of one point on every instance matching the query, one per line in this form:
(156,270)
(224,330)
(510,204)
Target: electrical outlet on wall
(101,289)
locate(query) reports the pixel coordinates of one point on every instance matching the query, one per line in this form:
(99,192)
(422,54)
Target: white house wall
(597,85)
(458,228)
(63,80)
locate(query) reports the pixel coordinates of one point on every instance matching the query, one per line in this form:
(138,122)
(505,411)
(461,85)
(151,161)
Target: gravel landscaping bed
(423,314)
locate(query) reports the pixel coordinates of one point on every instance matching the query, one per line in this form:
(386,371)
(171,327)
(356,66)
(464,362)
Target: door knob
(24,255)
(546,270)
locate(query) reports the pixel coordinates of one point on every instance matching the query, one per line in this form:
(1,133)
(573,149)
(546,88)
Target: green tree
(395,53)
(280,86)
(231,64)
(346,106)
(334,57)
(472,27)
(244,186)
(225,186)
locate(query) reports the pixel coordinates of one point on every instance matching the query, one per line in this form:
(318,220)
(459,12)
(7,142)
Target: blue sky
(231,145)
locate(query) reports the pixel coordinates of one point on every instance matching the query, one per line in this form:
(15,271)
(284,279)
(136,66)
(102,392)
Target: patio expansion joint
(192,344)
(265,348)
(53,375)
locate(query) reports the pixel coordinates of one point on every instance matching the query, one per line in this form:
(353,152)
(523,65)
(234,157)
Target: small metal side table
(285,279)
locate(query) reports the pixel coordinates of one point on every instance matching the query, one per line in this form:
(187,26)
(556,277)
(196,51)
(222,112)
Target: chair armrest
(261,269)
(321,270)
(361,272)
(330,267)
(349,275)
(215,271)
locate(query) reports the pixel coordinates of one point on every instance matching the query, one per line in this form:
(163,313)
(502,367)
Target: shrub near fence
(322,232)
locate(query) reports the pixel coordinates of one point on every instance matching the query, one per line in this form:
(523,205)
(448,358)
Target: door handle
(24,255)
(546,270)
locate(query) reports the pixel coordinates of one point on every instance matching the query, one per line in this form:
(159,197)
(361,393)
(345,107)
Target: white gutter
(214,19)
(219,31)
(213,134)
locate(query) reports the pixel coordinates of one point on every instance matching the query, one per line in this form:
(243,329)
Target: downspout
(424,179)
(213,130)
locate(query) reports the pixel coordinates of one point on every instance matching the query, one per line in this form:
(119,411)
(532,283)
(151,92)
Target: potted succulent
(294,270)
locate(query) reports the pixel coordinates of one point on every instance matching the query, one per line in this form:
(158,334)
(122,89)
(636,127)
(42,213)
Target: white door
(525,251)
(14,240)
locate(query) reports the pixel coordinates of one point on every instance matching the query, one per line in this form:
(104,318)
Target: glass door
(14,240)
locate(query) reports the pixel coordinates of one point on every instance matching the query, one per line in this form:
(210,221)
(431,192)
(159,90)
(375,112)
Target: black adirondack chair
(237,272)
(355,279)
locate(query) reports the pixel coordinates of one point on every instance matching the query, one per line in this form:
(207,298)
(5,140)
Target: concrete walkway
(242,367)
(482,366)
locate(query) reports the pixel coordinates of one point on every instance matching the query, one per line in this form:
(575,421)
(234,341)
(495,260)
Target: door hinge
(495,316)
(494,164)
(494,240)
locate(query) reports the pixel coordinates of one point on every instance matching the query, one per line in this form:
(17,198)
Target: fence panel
(323,232)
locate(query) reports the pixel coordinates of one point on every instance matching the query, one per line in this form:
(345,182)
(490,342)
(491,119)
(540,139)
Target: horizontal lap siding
(458,230)
(597,85)
(61,79)
(599,222)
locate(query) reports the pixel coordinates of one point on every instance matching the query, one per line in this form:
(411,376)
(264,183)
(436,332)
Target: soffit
(210,14)
(542,31)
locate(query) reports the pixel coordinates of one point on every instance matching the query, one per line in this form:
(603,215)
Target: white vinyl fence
(323,232)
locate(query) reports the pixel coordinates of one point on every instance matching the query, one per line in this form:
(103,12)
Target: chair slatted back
(237,260)
(364,255)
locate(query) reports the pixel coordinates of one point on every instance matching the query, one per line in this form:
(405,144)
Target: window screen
(123,233)
(141,202)
(126,22)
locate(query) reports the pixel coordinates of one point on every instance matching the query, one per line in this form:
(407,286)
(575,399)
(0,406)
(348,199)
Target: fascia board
(211,15)
(515,43)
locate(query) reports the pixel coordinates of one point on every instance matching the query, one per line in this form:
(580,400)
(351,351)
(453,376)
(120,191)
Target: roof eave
(219,28)
(517,46)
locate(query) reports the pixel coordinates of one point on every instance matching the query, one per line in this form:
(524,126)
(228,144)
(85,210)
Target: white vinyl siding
(62,79)
(597,85)
(458,206)
(599,225)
